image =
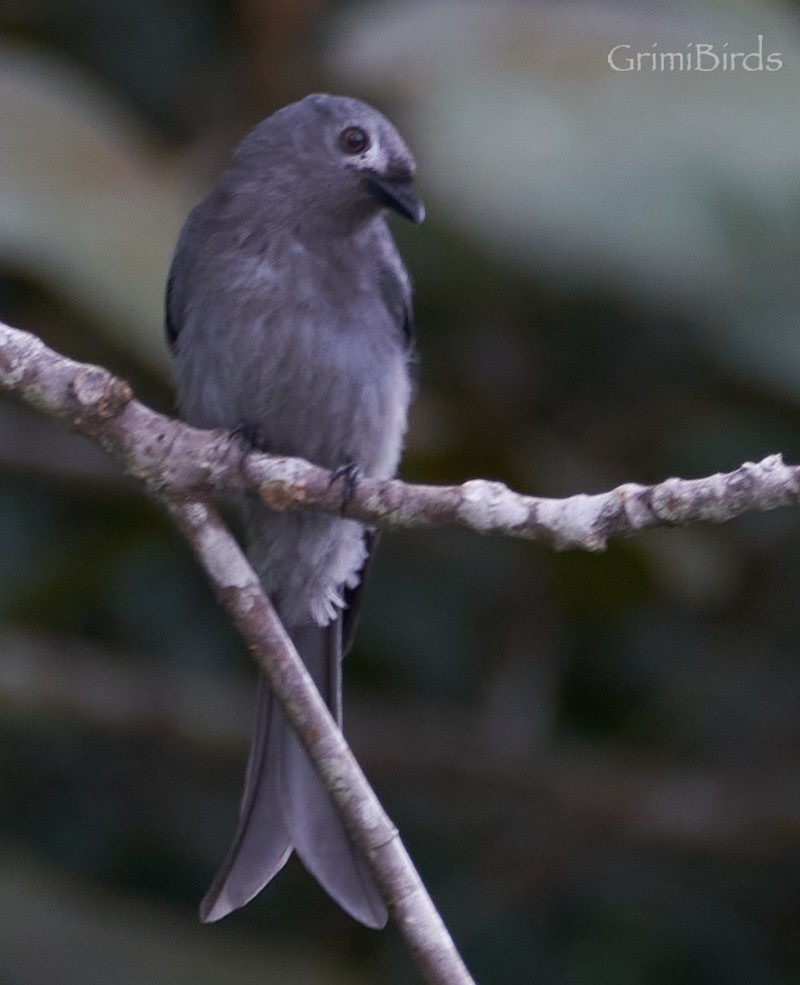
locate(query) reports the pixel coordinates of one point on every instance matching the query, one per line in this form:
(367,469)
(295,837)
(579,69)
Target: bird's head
(333,156)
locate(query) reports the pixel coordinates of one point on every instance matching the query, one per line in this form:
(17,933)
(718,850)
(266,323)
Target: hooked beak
(398,194)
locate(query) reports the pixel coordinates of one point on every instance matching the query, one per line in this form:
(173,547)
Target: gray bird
(289,321)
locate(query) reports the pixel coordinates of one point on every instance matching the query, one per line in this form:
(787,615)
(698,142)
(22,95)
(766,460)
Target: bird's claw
(249,437)
(350,473)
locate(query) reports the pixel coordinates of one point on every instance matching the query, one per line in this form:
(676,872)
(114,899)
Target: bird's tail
(286,806)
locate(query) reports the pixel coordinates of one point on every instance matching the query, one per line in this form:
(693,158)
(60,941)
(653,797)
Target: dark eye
(353,140)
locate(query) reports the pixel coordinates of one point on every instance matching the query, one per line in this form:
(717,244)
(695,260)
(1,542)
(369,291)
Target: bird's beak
(398,194)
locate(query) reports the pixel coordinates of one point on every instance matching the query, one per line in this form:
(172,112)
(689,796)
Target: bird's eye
(353,140)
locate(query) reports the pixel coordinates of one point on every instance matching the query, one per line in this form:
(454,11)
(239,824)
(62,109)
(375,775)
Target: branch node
(575,522)
(489,506)
(280,482)
(96,390)
(668,502)
(635,502)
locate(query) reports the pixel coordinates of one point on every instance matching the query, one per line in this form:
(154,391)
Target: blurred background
(592,759)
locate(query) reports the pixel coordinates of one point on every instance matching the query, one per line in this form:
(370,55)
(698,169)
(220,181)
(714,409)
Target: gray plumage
(288,317)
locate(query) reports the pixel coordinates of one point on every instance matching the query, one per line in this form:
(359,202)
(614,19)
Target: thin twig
(237,588)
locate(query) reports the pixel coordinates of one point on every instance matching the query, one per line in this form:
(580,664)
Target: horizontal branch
(169,455)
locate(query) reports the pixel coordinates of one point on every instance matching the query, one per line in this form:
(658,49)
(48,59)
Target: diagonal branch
(102,407)
(237,588)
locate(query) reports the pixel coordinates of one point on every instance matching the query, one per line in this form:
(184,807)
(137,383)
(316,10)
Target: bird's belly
(331,397)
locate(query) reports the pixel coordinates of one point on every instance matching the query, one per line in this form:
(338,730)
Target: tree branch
(102,407)
(166,454)
(182,467)
(239,591)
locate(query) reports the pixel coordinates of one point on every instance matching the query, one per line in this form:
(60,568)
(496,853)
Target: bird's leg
(250,437)
(350,473)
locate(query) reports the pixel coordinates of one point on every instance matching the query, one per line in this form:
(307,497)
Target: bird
(289,323)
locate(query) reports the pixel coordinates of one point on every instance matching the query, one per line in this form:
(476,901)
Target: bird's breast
(327,379)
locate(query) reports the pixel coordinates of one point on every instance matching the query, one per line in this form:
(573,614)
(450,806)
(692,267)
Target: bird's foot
(249,437)
(349,473)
